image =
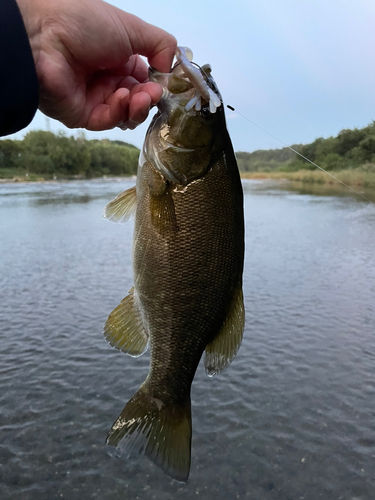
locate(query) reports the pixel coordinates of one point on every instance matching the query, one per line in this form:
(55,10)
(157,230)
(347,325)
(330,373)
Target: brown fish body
(188,249)
(187,269)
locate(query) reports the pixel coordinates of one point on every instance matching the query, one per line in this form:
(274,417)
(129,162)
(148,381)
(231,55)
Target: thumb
(147,40)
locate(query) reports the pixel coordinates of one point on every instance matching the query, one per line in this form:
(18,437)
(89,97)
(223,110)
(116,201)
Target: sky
(298,69)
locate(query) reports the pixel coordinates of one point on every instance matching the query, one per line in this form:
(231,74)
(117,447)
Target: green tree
(10,153)
(348,139)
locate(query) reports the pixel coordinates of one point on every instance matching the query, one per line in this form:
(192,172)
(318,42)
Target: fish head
(190,124)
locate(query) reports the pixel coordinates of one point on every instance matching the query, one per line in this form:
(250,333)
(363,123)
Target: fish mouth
(186,75)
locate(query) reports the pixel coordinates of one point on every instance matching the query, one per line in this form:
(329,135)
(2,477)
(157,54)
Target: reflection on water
(85,198)
(60,192)
(329,190)
(294,415)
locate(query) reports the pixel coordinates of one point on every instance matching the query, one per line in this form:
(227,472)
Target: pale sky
(299,69)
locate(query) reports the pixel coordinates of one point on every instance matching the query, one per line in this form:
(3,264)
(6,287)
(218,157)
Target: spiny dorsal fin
(124,329)
(222,350)
(122,207)
(160,431)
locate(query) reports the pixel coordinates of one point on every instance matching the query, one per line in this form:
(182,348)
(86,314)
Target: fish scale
(194,264)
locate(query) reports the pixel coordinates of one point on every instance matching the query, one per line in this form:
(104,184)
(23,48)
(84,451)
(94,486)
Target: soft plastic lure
(196,76)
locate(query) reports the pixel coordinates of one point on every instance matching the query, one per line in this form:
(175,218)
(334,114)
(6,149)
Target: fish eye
(205,112)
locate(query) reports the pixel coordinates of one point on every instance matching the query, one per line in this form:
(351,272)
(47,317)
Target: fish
(188,255)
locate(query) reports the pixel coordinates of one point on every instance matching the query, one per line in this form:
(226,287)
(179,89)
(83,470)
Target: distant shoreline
(353,178)
(39,179)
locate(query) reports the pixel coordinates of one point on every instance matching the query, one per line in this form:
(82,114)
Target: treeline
(49,155)
(265,160)
(350,149)
(60,156)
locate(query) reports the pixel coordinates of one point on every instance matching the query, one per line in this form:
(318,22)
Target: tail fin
(161,432)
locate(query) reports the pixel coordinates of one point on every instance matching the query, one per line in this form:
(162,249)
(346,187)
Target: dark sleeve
(18,81)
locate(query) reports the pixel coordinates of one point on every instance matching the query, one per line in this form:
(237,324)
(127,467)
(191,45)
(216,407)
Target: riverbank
(357,177)
(49,179)
(19,175)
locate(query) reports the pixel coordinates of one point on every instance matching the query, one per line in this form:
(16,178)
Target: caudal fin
(161,432)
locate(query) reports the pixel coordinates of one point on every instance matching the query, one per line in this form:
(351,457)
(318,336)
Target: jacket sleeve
(18,81)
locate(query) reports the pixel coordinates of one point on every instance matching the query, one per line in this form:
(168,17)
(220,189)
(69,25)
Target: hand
(89,73)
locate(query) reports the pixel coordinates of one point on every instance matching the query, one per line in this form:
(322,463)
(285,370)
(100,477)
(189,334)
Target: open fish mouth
(196,78)
(182,133)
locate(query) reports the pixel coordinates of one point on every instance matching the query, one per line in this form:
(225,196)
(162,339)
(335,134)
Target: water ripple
(292,417)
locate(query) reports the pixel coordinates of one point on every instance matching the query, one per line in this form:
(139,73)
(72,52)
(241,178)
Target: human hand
(89,73)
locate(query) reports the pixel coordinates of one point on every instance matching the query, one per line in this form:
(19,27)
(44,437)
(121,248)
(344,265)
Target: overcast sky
(300,70)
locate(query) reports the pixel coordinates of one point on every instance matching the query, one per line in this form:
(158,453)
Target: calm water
(292,418)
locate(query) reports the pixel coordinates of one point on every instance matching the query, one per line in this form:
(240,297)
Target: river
(293,417)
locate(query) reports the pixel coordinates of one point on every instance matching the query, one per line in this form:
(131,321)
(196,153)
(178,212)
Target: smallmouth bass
(188,251)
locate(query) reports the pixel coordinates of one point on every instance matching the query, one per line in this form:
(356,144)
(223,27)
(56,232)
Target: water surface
(293,417)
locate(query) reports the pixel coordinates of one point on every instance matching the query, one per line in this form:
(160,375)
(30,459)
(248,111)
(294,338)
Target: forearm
(18,81)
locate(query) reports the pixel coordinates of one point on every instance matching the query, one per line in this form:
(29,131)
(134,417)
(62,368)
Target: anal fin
(124,329)
(122,207)
(223,349)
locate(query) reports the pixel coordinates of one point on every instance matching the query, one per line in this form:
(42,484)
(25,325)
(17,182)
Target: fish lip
(154,73)
(204,86)
(203,83)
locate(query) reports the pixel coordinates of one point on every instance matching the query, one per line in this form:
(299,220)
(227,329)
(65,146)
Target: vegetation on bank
(350,149)
(360,177)
(269,160)
(43,155)
(350,157)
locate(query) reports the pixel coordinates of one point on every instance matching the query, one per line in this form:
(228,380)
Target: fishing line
(301,155)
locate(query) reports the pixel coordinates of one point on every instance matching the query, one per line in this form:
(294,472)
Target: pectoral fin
(163,214)
(124,329)
(223,349)
(122,207)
